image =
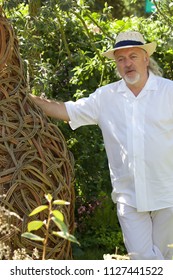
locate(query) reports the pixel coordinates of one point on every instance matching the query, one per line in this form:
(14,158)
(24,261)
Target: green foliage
(53,215)
(98,228)
(164,18)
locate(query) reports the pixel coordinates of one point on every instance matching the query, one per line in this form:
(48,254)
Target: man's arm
(52,108)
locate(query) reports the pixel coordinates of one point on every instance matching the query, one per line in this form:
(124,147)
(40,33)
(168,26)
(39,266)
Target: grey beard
(132,81)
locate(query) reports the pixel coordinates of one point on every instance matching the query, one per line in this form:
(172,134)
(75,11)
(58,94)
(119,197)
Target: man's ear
(147,59)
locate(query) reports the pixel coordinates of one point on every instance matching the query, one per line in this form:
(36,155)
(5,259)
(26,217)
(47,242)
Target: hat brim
(149,48)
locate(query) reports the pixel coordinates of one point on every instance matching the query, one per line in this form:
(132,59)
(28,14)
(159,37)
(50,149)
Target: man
(135,115)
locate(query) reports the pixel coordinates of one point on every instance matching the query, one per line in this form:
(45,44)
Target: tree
(164,17)
(120,9)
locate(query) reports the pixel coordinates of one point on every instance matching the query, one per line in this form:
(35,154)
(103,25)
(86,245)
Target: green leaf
(35,225)
(32,236)
(66,235)
(48,197)
(62,226)
(61,202)
(57,214)
(38,210)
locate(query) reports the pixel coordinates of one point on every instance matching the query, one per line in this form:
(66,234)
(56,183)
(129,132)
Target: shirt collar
(151,84)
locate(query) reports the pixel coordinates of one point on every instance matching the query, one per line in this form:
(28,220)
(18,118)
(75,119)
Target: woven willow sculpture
(34,158)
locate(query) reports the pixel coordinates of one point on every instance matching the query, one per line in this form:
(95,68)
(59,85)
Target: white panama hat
(130,39)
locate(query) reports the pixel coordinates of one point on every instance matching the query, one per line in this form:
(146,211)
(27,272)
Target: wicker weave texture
(34,158)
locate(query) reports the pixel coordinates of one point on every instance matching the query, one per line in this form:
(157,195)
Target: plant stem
(64,38)
(89,35)
(47,231)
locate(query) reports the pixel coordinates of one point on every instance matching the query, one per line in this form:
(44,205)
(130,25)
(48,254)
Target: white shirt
(138,138)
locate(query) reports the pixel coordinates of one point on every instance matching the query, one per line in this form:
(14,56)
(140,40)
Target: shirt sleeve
(84,111)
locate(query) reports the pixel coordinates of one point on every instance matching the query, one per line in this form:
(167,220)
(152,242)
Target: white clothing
(138,138)
(147,234)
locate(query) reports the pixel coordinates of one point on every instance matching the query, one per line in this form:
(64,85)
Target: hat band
(128,43)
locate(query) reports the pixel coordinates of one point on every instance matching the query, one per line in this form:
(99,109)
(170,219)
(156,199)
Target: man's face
(132,64)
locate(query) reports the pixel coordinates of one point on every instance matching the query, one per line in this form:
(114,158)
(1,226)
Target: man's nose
(128,62)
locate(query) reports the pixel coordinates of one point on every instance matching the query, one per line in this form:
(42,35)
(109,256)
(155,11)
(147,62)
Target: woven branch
(34,158)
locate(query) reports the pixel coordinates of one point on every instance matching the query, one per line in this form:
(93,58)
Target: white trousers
(147,234)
